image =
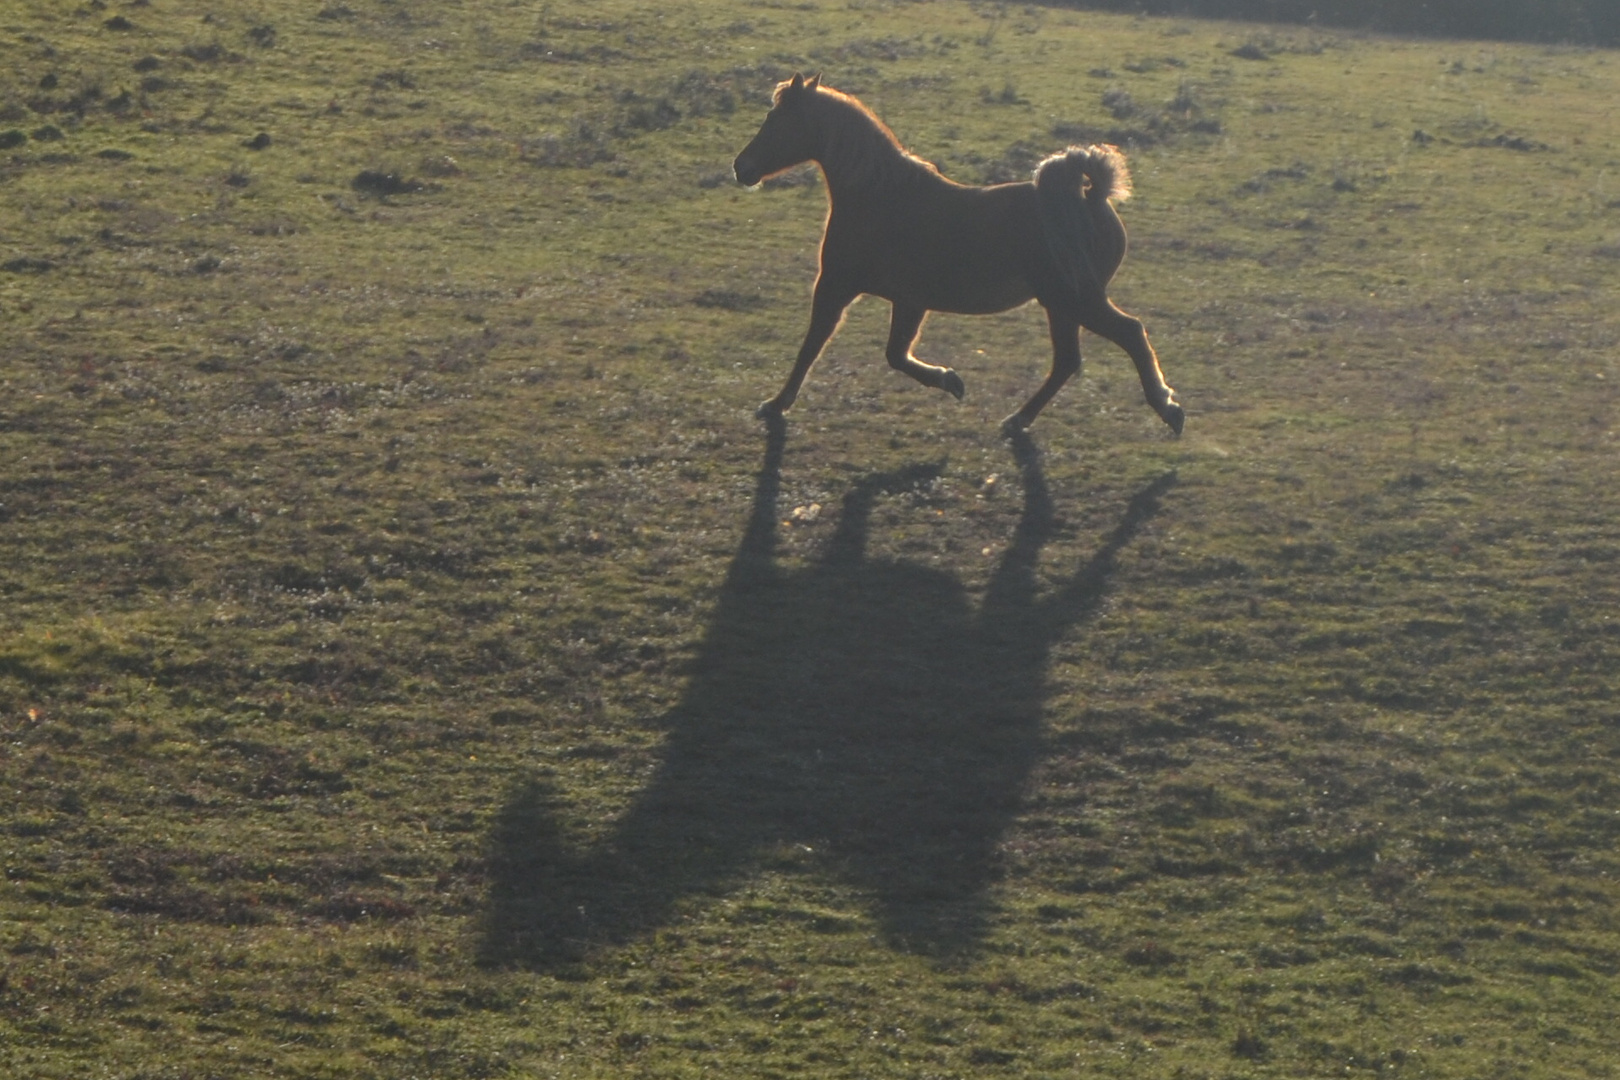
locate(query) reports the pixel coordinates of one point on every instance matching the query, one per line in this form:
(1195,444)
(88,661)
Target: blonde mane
(865,152)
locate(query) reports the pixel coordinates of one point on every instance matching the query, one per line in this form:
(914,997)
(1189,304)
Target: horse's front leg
(1127,332)
(826,312)
(905,323)
(1065,331)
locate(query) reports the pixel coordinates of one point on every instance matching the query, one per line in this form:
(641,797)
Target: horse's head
(784,139)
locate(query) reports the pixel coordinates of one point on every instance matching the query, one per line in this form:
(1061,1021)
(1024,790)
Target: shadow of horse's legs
(861,707)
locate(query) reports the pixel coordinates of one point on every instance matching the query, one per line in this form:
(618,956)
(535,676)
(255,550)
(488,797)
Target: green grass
(416,660)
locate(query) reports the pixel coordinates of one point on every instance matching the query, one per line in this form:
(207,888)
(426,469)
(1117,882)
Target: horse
(899,230)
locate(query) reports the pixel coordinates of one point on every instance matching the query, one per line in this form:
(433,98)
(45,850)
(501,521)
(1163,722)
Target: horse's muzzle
(746,172)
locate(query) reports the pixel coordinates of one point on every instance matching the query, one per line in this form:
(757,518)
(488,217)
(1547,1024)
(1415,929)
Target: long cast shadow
(860,707)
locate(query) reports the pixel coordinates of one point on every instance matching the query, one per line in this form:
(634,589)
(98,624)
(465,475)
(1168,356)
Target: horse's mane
(861,148)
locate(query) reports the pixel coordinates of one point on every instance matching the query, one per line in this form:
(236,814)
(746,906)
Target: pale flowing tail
(1102,168)
(1083,234)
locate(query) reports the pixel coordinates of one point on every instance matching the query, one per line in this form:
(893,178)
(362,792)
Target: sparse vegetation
(416,660)
(1580,22)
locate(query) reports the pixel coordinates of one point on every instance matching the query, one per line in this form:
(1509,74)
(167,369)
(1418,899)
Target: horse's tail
(1101,169)
(1083,234)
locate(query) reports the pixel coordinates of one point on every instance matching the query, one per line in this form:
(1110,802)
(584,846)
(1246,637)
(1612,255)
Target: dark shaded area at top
(860,707)
(1577,22)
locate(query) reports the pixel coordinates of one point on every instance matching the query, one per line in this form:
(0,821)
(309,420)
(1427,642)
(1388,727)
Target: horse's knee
(899,359)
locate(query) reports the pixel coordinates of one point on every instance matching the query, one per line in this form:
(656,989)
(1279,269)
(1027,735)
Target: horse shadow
(859,714)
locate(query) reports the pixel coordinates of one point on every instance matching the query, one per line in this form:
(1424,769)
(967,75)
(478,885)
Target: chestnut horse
(898,229)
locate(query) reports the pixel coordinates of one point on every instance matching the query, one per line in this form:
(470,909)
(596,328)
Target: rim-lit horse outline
(898,229)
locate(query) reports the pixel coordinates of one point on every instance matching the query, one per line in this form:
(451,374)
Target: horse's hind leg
(904,325)
(1065,330)
(826,312)
(1127,332)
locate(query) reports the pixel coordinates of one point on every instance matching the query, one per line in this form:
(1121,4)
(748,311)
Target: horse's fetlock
(1015,424)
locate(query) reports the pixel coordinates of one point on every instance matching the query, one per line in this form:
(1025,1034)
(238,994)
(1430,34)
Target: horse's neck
(856,156)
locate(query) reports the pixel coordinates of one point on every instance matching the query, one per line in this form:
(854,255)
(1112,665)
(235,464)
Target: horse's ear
(798,81)
(815,81)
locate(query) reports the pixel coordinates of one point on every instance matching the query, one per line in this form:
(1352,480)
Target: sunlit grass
(417,660)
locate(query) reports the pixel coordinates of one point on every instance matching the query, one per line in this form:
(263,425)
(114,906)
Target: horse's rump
(1083,234)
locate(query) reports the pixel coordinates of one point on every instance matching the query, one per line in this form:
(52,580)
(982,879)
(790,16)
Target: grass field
(416,660)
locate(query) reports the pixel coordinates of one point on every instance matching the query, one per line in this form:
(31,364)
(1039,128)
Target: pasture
(417,660)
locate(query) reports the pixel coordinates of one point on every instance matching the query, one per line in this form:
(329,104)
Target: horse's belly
(960,291)
(939,257)
(984,301)
(970,270)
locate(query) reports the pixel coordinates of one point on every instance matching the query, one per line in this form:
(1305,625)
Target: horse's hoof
(1013,426)
(1175,416)
(951,383)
